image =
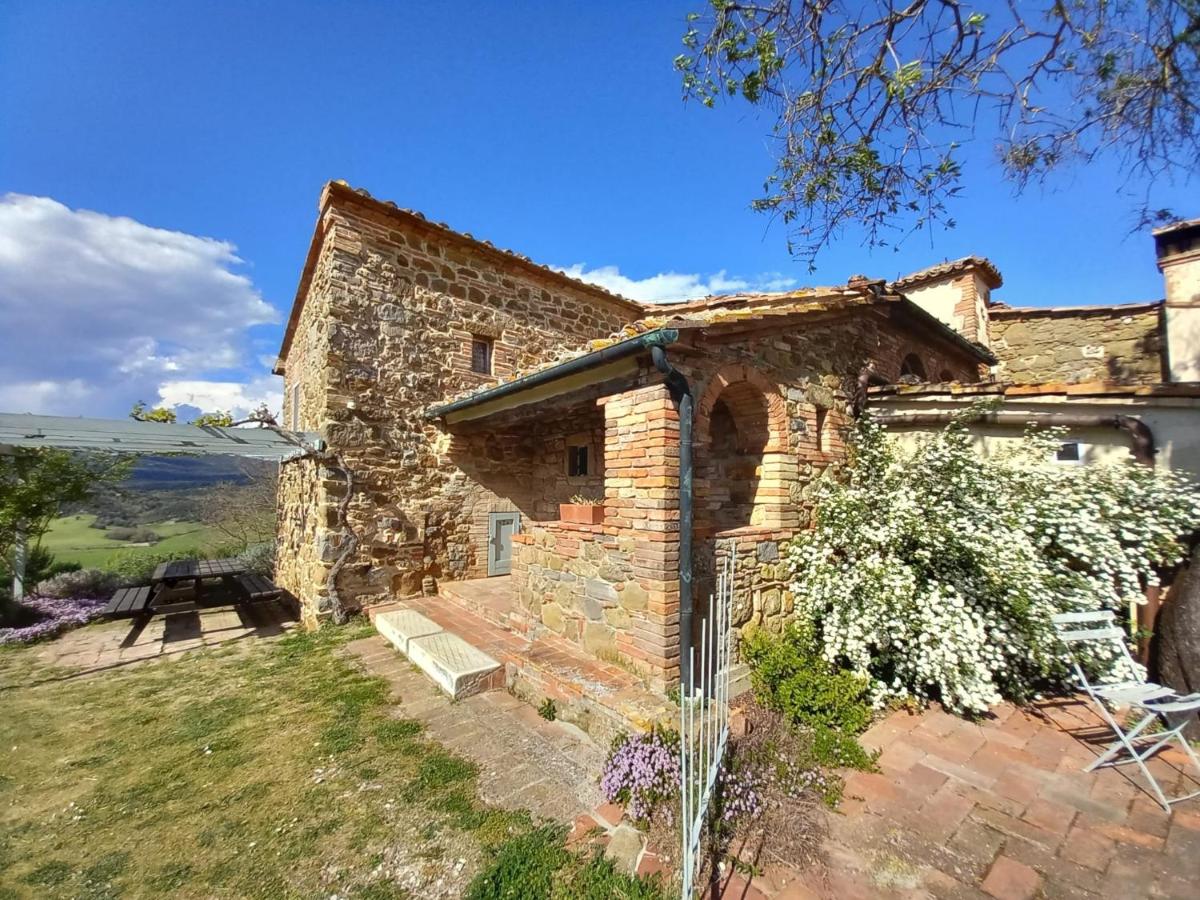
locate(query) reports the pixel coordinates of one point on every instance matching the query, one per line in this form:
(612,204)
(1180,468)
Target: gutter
(681,394)
(1139,432)
(658,338)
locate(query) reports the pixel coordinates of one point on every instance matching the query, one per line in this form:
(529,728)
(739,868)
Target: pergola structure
(127,436)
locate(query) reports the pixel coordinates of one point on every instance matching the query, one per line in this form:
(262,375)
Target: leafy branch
(874,100)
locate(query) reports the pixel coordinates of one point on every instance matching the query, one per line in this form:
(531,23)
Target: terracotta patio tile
(900,756)
(1018,828)
(1088,848)
(942,813)
(1011,880)
(1054,817)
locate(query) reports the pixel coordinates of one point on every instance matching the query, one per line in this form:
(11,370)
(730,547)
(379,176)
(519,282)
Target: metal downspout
(681,395)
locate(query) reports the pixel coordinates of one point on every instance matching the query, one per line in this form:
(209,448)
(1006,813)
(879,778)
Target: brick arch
(735,374)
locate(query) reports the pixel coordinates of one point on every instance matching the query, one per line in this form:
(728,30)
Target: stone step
(454,665)
(451,663)
(400,626)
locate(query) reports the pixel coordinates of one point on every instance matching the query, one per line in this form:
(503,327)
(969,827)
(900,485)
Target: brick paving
(551,769)
(602,698)
(113,645)
(1000,809)
(525,762)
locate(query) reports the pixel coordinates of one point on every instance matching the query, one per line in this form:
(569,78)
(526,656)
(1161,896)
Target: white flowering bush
(935,572)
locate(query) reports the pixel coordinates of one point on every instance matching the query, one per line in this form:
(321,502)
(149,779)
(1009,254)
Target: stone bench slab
(454,665)
(401,626)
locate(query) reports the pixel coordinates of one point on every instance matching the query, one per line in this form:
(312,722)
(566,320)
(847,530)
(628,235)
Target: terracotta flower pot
(581,513)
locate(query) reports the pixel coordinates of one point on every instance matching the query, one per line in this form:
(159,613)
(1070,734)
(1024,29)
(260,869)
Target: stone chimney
(957,292)
(1177,248)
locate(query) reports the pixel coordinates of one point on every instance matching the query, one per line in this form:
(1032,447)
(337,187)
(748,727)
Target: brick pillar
(641,494)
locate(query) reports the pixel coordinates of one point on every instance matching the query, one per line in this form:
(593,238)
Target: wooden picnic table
(170,576)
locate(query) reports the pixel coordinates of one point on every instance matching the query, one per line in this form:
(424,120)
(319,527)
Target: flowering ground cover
(43,617)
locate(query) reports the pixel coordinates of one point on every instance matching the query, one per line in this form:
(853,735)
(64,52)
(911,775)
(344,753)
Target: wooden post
(19,557)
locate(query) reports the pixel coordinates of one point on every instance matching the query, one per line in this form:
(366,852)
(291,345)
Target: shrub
(935,573)
(791,677)
(41,564)
(642,772)
(119,534)
(259,559)
(82,583)
(137,566)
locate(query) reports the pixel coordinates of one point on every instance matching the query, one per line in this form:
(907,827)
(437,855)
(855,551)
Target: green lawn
(71,539)
(270,771)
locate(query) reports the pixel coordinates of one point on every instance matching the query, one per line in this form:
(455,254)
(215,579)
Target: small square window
(577,461)
(481,355)
(1068,452)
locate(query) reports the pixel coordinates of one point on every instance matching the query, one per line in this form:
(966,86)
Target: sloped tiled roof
(342,190)
(953,267)
(734,309)
(1041,389)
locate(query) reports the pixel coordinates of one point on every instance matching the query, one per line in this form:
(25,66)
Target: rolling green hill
(71,539)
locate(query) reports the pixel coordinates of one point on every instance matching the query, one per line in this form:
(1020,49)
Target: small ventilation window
(912,366)
(481,355)
(1068,452)
(577,460)
(822,416)
(296,407)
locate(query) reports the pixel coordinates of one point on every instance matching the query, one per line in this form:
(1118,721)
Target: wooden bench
(129,602)
(256,587)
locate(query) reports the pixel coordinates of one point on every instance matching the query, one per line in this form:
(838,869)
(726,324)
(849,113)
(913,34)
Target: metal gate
(704,722)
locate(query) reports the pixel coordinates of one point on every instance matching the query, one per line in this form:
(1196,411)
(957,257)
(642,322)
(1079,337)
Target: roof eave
(659,337)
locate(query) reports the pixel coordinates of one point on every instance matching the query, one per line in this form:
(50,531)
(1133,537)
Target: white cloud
(239,398)
(670,287)
(98,311)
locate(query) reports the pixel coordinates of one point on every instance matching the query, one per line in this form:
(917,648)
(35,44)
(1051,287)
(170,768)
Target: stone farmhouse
(469,398)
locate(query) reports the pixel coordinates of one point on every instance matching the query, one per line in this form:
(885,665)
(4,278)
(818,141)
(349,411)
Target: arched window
(911,365)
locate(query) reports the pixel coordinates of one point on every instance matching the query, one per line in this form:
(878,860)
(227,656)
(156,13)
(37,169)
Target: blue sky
(556,129)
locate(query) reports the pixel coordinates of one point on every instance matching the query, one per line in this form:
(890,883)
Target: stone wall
(1101,344)
(305,550)
(384,333)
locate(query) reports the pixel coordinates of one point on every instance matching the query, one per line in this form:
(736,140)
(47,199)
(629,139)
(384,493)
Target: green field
(71,539)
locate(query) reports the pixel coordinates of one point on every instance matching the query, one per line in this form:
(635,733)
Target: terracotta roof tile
(953,267)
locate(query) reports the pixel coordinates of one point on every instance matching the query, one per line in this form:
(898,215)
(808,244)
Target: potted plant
(582,510)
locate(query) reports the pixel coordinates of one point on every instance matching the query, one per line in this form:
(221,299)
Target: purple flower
(54,616)
(643,773)
(739,790)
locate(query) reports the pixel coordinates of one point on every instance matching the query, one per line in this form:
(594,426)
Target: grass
(272,772)
(72,539)
(537,866)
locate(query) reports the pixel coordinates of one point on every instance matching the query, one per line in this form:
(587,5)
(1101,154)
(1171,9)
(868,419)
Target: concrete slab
(400,626)
(454,665)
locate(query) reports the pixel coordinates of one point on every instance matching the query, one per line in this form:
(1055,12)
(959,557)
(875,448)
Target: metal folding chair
(1153,702)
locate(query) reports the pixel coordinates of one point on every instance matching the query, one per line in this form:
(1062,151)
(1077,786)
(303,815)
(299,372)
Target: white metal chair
(1079,630)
